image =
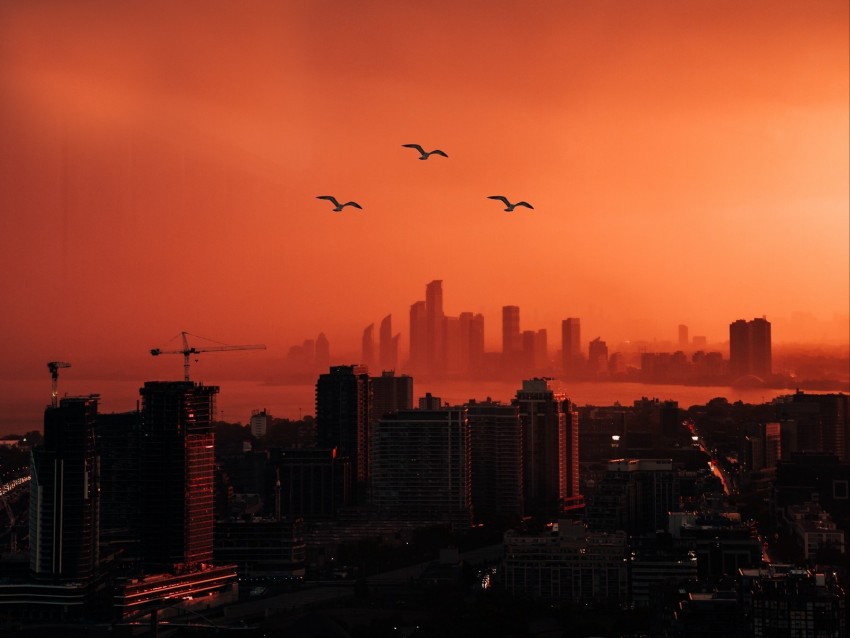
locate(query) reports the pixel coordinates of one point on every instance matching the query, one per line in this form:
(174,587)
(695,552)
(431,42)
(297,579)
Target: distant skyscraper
(511,342)
(388,344)
(476,342)
(683,336)
(367,351)
(750,348)
(343,414)
(65,495)
(323,352)
(435,325)
(418,337)
(177,466)
(598,357)
(571,346)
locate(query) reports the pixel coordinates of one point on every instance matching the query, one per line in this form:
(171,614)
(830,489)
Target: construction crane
(54,366)
(188,351)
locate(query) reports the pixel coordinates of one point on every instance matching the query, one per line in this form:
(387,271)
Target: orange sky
(159,163)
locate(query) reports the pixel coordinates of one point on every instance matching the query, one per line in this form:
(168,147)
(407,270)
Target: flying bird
(510,207)
(337,206)
(423,153)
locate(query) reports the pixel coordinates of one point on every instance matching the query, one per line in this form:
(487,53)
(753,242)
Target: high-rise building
(496,444)
(421,466)
(511,342)
(177,468)
(391,393)
(323,352)
(750,348)
(343,415)
(435,327)
(367,346)
(418,337)
(119,440)
(550,450)
(476,342)
(598,357)
(571,347)
(683,336)
(65,495)
(388,344)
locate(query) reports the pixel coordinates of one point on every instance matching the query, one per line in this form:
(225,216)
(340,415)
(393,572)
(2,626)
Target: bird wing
(526,204)
(330,198)
(355,204)
(500,198)
(438,152)
(416,146)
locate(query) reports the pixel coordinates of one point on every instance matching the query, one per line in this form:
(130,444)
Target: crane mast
(54,366)
(188,351)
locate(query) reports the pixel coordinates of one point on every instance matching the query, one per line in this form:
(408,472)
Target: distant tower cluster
(441,344)
(750,348)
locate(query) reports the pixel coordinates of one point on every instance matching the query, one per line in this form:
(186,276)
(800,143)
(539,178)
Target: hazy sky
(159,163)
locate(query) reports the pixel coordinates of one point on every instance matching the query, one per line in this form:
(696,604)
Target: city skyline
(171,184)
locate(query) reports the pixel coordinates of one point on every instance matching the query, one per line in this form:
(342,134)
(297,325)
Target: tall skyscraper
(476,342)
(435,327)
(367,352)
(177,467)
(750,348)
(65,495)
(343,414)
(323,352)
(683,336)
(598,357)
(388,344)
(418,337)
(548,474)
(511,341)
(571,346)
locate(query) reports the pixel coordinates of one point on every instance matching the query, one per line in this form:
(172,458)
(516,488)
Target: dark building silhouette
(634,495)
(65,495)
(496,457)
(421,466)
(308,483)
(750,349)
(343,416)
(119,441)
(511,339)
(549,448)
(571,357)
(816,422)
(177,471)
(390,393)
(683,336)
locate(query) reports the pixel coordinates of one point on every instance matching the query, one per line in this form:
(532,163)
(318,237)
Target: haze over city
(687,163)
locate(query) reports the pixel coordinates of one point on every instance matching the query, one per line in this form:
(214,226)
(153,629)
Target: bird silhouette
(510,207)
(424,154)
(337,206)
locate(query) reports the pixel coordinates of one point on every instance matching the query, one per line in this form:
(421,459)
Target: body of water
(23,409)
